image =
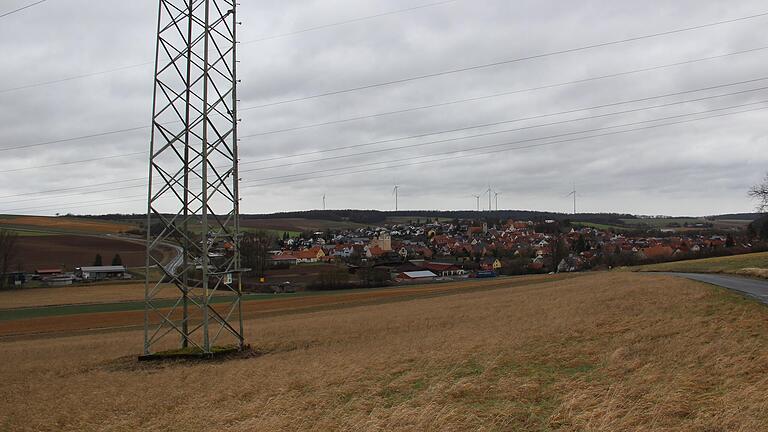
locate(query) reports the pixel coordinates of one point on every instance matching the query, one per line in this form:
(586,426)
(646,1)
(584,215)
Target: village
(446,250)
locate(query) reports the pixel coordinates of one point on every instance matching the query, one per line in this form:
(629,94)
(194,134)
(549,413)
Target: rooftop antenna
(574,194)
(395,193)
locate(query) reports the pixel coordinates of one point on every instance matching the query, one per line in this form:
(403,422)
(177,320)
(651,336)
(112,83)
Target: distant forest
(376,216)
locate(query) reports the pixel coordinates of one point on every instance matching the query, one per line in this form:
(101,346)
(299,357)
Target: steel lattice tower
(193,203)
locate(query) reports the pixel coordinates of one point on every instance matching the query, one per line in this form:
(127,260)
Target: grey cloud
(695,168)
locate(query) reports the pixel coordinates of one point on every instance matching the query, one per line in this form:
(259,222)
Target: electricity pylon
(194,198)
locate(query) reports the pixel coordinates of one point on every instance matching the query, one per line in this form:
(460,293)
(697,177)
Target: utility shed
(101,272)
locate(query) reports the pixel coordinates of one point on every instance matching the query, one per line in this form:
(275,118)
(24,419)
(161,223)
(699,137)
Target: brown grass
(67,224)
(107,293)
(753,272)
(268,306)
(752,264)
(605,352)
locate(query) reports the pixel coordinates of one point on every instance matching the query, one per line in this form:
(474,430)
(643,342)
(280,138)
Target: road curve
(756,288)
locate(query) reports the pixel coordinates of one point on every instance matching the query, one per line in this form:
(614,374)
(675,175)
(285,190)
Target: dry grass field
(87,318)
(753,264)
(106,293)
(65,224)
(602,352)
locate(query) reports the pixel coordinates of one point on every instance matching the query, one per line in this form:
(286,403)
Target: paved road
(752,287)
(177,261)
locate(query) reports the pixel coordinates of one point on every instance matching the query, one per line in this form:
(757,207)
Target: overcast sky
(694,168)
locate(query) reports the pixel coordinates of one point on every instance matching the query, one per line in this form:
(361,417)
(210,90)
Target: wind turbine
(489,192)
(395,193)
(323,201)
(477,197)
(496,197)
(573,193)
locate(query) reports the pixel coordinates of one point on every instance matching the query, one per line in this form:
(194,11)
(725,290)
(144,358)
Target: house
(283,259)
(101,273)
(312,255)
(343,251)
(569,264)
(472,231)
(657,252)
(492,264)
(444,269)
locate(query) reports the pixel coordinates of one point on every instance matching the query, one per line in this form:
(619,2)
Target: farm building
(101,272)
(417,275)
(283,259)
(59,280)
(53,277)
(444,269)
(40,273)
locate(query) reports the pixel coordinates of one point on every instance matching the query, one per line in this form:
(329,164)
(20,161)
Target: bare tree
(7,254)
(760,193)
(254,251)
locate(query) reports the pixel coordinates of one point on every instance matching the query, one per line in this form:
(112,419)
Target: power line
(349,21)
(485,147)
(455,130)
(453,71)
(79,204)
(497,151)
(441,132)
(504,62)
(3,15)
(58,164)
(74,77)
(79,193)
(474,99)
(138,65)
(94,185)
(537,117)
(495,95)
(486,133)
(77,138)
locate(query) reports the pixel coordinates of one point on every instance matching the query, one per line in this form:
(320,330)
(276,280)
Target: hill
(68,242)
(320,220)
(601,352)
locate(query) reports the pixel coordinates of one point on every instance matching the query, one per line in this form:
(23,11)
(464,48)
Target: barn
(101,273)
(417,275)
